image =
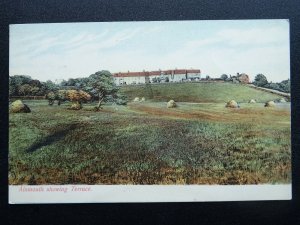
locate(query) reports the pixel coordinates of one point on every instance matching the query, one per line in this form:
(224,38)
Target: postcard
(156,111)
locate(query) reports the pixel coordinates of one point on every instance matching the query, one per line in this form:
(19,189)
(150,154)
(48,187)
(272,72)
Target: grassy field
(146,143)
(198,92)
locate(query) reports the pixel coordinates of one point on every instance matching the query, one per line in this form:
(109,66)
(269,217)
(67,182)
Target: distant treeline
(260,80)
(99,86)
(27,88)
(23,85)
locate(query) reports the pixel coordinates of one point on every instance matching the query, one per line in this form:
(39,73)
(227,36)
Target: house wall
(141,79)
(193,75)
(178,77)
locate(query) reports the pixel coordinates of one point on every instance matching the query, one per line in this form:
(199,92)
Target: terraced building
(177,75)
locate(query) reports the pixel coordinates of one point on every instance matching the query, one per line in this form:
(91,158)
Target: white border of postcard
(23,194)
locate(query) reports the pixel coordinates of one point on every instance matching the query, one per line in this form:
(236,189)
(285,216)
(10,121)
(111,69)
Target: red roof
(131,74)
(154,73)
(179,71)
(193,71)
(167,71)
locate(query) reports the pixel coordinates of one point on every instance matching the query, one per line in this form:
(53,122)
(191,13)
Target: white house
(177,75)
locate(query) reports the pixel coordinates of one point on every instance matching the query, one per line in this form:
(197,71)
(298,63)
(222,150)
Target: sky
(70,50)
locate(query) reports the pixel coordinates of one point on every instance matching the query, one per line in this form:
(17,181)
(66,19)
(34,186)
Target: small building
(243,78)
(130,78)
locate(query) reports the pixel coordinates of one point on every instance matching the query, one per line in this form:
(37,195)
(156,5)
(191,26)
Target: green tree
(102,85)
(273,86)
(260,80)
(285,86)
(50,86)
(12,87)
(224,77)
(24,89)
(34,91)
(15,83)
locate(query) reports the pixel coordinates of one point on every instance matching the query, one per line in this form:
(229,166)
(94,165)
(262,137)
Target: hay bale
(252,101)
(232,104)
(19,107)
(171,104)
(76,106)
(143,99)
(270,104)
(282,100)
(136,99)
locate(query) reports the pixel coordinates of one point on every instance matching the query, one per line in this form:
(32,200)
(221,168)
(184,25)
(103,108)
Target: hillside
(198,92)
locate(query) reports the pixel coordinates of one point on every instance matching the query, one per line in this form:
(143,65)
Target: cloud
(251,50)
(253,36)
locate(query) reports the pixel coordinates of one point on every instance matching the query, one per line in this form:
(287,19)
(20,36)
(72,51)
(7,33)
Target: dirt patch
(177,114)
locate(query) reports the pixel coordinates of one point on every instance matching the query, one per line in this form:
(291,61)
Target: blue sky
(65,50)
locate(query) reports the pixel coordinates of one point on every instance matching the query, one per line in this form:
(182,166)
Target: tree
(34,90)
(15,83)
(224,77)
(51,97)
(273,86)
(12,87)
(102,85)
(285,86)
(19,80)
(63,83)
(71,82)
(260,80)
(50,86)
(35,83)
(24,89)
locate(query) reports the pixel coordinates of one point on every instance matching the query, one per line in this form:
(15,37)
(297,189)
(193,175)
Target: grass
(146,143)
(197,92)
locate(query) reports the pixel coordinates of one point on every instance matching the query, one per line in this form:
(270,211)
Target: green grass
(146,143)
(197,92)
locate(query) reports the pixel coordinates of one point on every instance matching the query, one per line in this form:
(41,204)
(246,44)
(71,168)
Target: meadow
(198,142)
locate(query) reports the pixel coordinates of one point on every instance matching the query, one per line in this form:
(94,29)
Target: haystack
(270,104)
(252,101)
(231,104)
(282,100)
(76,106)
(19,107)
(136,99)
(171,104)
